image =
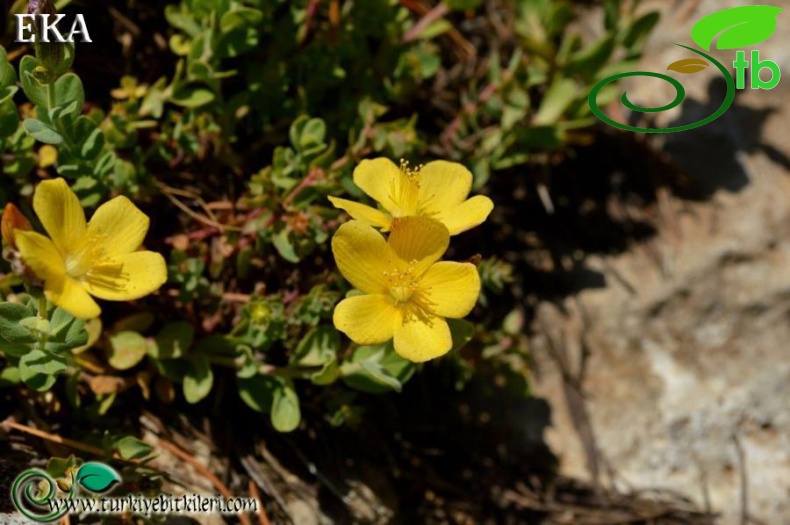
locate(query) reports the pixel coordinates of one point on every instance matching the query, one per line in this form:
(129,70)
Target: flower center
(405,190)
(86,255)
(401,283)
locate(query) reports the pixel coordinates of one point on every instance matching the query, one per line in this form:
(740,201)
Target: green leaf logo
(97,477)
(736,27)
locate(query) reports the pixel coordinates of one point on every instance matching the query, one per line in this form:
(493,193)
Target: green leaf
(9,119)
(183,21)
(640,29)
(376,369)
(611,14)
(10,329)
(153,103)
(313,134)
(285,407)
(36,325)
(34,90)
(105,403)
(129,447)
(198,379)
(7,94)
(318,347)
(590,59)
(282,242)
(39,382)
(240,18)
(88,137)
(59,322)
(375,374)
(173,341)
(327,375)
(558,98)
(37,369)
(39,362)
(57,467)
(295,130)
(97,477)
(437,28)
(127,349)
(41,132)
(736,27)
(68,334)
(105,164)
(257,391)
(173,369)
(61,117)
(192,96)
(461,331)
(9,376)
(7,71)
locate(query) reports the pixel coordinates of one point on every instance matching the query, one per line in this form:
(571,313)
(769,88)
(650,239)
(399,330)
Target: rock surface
(684,373)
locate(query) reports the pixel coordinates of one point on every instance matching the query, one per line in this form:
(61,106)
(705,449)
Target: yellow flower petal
(47,156)
(419,240)
(118,226)
(443,185)
(367,319)
(40,254)
(362,256)
(71,296)
(363,213)
(450,289)
(379,178)
(466,215)
(60,213)
(420,340)
(127,277)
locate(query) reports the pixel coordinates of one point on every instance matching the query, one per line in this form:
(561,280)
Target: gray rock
(686,383)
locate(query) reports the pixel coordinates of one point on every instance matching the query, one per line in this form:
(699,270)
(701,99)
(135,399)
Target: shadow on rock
(712,154)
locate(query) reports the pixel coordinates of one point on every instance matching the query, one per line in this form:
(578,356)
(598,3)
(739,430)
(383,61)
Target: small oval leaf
(688,66)
(736,27)
(97,477)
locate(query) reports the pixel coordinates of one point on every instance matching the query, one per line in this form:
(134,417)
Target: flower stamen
(405,190)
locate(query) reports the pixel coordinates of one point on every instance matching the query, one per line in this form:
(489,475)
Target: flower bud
(13,219)
(55,57)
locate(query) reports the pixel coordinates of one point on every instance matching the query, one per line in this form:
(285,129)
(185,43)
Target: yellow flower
(438,190)
(98,258)
(407,294)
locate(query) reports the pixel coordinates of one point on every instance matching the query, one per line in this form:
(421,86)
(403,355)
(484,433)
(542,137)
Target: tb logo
(732,28)
(741,64)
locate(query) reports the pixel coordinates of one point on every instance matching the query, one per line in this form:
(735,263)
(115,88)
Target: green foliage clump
(266,110)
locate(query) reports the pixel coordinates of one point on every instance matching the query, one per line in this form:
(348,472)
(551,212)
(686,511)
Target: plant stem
(51,95)
(42,313)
